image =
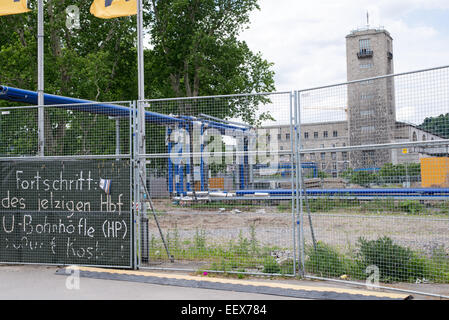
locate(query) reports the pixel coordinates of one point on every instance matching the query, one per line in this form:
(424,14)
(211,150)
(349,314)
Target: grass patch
(242,253)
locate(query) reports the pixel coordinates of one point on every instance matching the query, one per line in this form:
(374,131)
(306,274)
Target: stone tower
(371,104)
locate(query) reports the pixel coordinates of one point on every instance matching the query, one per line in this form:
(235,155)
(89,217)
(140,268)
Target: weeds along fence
(66,194)
(379,210)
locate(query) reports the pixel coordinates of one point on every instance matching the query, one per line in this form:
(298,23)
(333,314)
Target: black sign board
(66,212)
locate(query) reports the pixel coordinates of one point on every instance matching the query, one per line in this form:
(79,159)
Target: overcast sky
(306,39)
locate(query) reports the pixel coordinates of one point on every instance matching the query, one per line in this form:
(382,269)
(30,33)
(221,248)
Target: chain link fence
(346,182)
(66,195)
(211,167)
(377,208)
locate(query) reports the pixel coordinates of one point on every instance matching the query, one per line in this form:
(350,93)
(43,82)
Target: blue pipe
(202,177)
(170,164)
(30,97)
(352,192)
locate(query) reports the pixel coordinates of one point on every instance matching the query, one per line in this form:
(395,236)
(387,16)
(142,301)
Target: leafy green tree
(437,125)
(400,170)
(91,63)
(196,52)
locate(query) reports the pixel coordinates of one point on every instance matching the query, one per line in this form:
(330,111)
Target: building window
(323,166)
(344,155)
(315,135)
(279,136)
(364,45)
(322,146)
(281,148)
(335,134)
(287,136)
(366,113)
(367,129)
(306,135)
(325,134)
(334,155)
(312,156)
(323,156)
(345,165)
(365,96)
(366,66)
(424,138)
(415,137)
(334,165)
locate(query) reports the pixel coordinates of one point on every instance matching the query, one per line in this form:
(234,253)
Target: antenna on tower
(367,19)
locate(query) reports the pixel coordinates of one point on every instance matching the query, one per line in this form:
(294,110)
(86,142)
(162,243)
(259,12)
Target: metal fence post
(292,165)
(298,187)
(136,184)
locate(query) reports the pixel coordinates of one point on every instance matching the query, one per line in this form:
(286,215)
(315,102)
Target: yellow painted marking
(250,283)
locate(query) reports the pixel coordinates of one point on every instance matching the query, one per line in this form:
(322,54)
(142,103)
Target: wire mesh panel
(213,171)
(73,204)
(401,248)
(70,129)
(66,212)
(380,149)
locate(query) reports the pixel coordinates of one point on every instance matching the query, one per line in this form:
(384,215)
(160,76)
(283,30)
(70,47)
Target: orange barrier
(435,172)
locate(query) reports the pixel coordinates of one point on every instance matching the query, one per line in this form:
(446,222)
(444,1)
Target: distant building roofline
(305,124)
(405,123)
(368,30)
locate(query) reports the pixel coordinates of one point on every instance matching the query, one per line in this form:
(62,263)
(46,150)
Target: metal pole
(141,135)
(140,50)
(299,206)
(292,164)
(40,76)
(301,187)
(117,136)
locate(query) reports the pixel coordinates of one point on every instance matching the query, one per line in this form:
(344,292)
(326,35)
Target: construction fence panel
(72,205)
(376,210)
(210,177)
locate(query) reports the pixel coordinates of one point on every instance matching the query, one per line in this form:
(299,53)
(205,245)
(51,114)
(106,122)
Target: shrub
(286,266)
(270,265)
(326,261)
(395,263)
(410,206)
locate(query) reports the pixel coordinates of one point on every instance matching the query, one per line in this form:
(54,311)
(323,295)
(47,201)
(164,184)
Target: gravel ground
(275,229)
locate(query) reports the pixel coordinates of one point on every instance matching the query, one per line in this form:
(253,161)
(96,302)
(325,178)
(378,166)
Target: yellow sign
(107,9)
(404,151)
(8,7)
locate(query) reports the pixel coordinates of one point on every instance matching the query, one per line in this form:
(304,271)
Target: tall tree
(196,52)
(95,62)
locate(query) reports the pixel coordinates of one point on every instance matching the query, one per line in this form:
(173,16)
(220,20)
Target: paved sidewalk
(42,283)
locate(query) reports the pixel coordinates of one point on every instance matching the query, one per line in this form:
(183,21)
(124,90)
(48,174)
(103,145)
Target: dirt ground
(274,228)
